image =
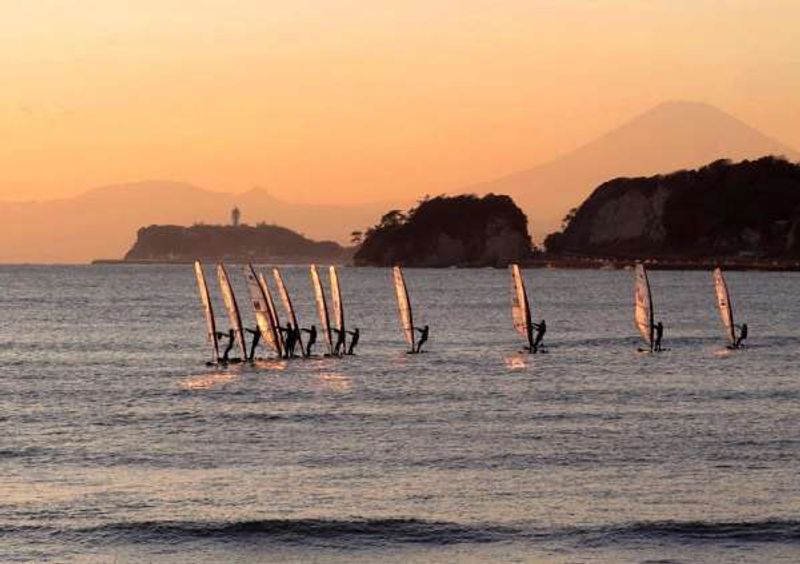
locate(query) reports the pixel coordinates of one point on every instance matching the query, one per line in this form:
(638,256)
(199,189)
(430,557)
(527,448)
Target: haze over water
(119,443)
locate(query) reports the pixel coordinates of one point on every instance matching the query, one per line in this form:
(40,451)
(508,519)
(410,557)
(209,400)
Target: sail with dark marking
(264,319)
(520,308)
(643,309)
(725,306)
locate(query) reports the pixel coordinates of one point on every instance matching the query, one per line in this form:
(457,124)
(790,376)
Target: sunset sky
(352,101)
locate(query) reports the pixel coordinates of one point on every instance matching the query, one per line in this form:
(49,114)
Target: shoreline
(553,262)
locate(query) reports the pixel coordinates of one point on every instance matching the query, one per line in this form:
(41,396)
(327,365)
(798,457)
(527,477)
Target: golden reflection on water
(516,363)
(207,381)
(335,381)
(271,364)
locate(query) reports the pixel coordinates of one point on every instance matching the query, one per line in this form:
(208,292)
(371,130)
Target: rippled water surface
(119,443)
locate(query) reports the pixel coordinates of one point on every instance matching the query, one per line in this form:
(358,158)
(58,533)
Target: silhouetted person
(541,329)
(290,341)
(423,337)
(256,337)
(659,329)
(354,340)
(742,335)
(341,337)
(229,336)
(312,338)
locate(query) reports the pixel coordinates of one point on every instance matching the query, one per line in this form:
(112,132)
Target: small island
(738,214)
(230,243)
(464,230)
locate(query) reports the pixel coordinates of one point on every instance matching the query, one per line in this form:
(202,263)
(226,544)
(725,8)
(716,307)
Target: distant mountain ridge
(103,222)
(668,137)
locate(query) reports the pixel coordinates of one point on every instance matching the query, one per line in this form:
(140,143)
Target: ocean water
(119,444)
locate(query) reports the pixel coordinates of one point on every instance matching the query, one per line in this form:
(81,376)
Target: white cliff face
(632,215)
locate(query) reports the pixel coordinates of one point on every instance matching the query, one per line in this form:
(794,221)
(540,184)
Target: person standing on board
(256,336)
(290,341)
(659,330)
(423,337)
(340,342)
(742,335)
(541,329)
(312,338)
(229,336)
(354,340)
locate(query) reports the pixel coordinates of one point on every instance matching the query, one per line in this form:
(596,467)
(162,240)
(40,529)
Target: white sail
(338,306)
(724,305)
(643,313)
(273,312)
(264,319)
(233,309)
(322,308)
(520,309)
(205,298)
(404,306)
(287,305)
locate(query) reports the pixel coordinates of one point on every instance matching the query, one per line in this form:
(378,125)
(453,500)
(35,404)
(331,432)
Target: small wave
(353,532)
(768,531)
(368,533)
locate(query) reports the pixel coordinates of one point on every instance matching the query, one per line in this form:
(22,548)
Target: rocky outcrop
(242,243)
(449,231)
(750,208)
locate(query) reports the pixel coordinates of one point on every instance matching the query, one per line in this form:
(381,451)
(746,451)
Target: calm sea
(119,444)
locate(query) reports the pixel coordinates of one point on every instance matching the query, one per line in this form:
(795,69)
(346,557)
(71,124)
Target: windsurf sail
(264,318)
(404,306)
(273,312)
(205,298)
(338,306)
(322,308)
(233,309)
(520,309)
(287,305)
(724,305)
(643,313)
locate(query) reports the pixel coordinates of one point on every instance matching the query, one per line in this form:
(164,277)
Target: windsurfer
(541,329)
(742,335)
(229,336)
(341,344)
(423,337)
(290,341)
(356,334)
(659,331)
(256,336)
(312,338)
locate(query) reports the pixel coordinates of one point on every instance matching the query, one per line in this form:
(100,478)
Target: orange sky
(350,101)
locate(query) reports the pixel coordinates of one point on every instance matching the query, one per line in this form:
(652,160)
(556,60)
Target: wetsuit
(541,329)
(290,341)
(312,338)
(659,330)
(354,341)
(423,337)
(256,336)
(341,344)
(742,335)
(229,336)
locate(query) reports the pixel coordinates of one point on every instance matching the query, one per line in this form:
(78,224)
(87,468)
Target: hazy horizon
(350,102)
